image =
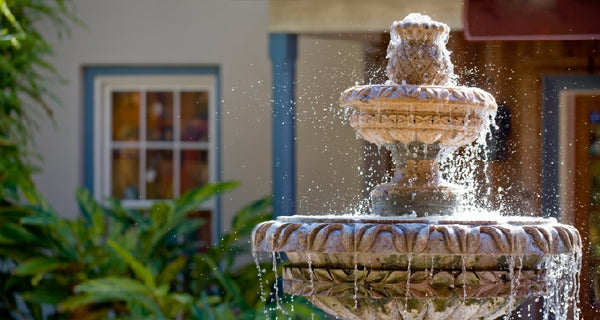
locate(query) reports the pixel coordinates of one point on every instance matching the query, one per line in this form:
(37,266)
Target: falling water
(355,279)
(311,275)
(259,270)
(277,301)
(562,283)
(464,285)
(511,277)
(408,275)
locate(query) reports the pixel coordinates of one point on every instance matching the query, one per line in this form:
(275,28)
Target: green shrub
(24,99)
(119,263)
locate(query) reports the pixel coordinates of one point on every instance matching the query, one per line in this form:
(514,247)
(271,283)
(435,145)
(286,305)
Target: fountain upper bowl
(387,114)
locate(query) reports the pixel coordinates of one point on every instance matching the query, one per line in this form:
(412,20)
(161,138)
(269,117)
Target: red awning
(532,19)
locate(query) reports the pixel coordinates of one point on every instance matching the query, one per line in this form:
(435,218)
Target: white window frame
(104,85)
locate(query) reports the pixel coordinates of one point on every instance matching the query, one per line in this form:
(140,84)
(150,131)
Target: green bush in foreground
(119,263)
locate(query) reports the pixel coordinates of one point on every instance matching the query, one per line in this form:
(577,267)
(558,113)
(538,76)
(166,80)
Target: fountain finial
(417,52)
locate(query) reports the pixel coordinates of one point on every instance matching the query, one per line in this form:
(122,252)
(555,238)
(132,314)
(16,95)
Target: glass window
(154,137)
(594,214)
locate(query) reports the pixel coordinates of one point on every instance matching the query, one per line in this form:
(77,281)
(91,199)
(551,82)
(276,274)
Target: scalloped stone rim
(363,97)
(396,243)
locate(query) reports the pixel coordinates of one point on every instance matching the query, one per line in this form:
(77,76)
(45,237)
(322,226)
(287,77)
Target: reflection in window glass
(194,169)
(159,174)
(194,116)
(125,174)
(595,133)
(594,235)
(125,115)
(596,283)
(594,171)
(159,116)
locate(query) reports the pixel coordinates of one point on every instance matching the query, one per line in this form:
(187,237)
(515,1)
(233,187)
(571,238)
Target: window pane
(194,116)
(159,116)
(194,169)
(595,133)
(159,174)
(594,236)
(125,174)
(126,115)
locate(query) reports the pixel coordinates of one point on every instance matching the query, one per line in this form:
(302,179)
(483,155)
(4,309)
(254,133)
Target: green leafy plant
(125,264)
(24,99)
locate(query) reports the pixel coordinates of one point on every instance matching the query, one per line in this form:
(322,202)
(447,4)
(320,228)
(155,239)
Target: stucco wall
(329,153)
(229,34)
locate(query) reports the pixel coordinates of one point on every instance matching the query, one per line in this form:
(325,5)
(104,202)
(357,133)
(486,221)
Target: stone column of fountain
(415,256)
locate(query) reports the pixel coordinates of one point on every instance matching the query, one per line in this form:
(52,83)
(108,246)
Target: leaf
(188,226)
(92,313)
(192,199)
(140,271)
(128,215)
(181,298)
(40,220)
(198,313)
(112,284)
(5,240)
(230,287)
(45,294)
(60,235)
(250,212)
(161,214)
(38,265)
(206,312)
(179,226)
(169,272)
(35,198)
(91,210)
(225,312)
(109,289)
(17,233)
(75,302)
(14,212)
(175,304)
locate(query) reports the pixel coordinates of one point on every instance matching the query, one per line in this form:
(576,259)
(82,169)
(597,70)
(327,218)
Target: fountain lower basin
(366,267)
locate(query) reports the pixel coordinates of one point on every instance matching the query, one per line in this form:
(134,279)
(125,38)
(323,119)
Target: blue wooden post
(283,51)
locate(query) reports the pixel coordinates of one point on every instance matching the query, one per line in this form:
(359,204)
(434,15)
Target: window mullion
(142,148)
(176,143)
(108,147)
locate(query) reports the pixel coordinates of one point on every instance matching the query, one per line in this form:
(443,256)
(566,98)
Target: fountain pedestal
(417,256)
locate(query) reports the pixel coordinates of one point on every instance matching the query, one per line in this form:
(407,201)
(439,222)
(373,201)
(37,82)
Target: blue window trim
(552,87)
(90,73)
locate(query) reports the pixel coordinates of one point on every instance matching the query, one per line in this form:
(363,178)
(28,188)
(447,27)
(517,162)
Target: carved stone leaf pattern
(413,238)
(422,284)
(542,239)
(499,238)
(259,233)
(417,241)
(319,241)
(396,309)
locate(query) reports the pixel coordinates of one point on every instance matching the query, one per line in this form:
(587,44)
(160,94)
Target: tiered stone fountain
(414,256)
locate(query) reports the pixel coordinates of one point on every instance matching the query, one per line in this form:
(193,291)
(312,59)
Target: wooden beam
(356,16)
